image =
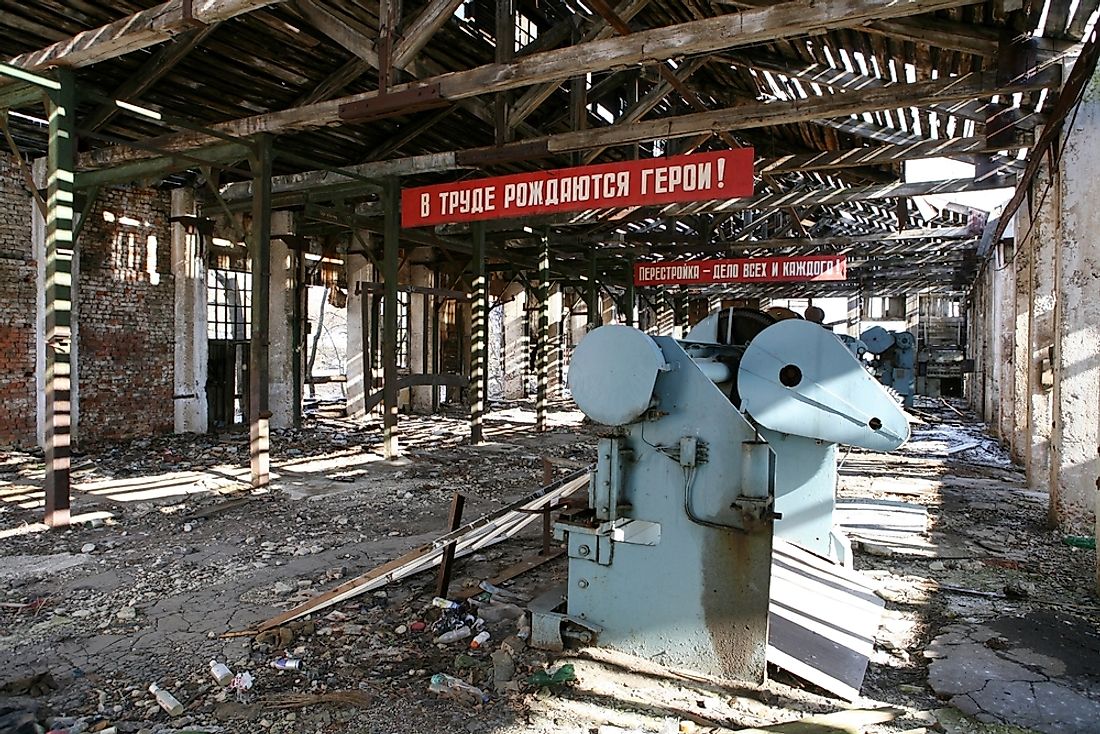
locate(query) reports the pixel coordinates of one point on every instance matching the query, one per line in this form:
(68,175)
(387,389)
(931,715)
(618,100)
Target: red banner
(748,270)
(725,174)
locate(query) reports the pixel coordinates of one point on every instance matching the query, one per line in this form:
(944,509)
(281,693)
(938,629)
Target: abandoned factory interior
(552,366)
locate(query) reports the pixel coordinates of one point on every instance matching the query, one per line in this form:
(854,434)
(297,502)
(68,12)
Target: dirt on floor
(170,551)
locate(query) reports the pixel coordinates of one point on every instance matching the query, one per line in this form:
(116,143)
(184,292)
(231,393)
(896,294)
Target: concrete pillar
(1075,466)
(1041,338)
(1006,344)
(1021,350)
(191,348)
(421,349)
(359,271)
(284,355)
(516,343)
(555,343)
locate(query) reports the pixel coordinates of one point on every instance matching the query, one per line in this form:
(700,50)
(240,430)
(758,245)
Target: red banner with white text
(725,174)
(745,270)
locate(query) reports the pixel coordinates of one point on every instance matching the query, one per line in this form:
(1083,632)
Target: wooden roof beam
(152,71)
(784,20)
(878,155)
(137,31)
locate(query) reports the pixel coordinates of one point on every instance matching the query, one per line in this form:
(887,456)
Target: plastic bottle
(451,687)
(459,633)
(524,626)
(166,700)
(479,641)
(445,603)
(221,672)
(285,663)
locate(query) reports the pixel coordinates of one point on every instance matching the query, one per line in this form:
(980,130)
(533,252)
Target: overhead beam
(765,114)
(352,39)
(137,31)
(825,196)
(421,30)
(878,155)
(152,71)
(784,20)
(841,80)
(317,184)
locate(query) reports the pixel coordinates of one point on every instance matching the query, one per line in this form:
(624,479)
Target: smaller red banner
(746,270)
(725,174)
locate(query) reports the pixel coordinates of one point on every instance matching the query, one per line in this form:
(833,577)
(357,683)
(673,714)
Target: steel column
(542,360)
(259,413)
(479,341)
(391,197)
(59,293)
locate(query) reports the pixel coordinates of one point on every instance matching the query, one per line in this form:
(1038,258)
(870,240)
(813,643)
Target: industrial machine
(894,360)
(710,445)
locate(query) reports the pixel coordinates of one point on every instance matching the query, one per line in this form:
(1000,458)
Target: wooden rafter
(696,37)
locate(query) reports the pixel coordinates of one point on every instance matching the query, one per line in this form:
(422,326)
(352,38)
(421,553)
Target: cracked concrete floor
(1041,671)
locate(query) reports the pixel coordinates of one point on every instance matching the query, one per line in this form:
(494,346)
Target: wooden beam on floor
(137,31)
(784,20)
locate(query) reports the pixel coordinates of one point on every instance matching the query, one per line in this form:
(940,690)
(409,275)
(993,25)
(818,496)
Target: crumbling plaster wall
(1037,330)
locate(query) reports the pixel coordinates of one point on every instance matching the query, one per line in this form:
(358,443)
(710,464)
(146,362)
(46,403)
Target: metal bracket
(546,624)
(391,104)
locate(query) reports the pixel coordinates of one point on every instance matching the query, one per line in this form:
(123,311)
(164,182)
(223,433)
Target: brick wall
(126,317)
(18,269)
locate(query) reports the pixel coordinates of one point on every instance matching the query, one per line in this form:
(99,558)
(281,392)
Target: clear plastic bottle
(166,700)
(459,633)
(221,672)
(479,641)
(456,688)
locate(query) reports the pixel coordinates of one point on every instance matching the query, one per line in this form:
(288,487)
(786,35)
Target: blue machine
(711,444)
(894,360)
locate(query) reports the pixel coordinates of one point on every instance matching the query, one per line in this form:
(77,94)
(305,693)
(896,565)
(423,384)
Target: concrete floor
(173,553)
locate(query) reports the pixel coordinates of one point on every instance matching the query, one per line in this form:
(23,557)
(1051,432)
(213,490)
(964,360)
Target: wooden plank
(137,31)
(446,561)
(391,201)
(352,39)
(509,516)
(516,569)
(788,19)
(435,14)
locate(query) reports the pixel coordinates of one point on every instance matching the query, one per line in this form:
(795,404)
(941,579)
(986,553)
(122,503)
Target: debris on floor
(181,556)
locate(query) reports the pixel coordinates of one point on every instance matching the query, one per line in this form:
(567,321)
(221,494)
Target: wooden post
(542,358)
(59,290)
(504,50)
(446,563)
(391,197)
(259,414)
(479,338)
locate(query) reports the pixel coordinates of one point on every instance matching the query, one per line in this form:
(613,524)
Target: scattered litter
(221,672)
(166,700)
(448,686)
(358,699)
(286,663)
(555,676)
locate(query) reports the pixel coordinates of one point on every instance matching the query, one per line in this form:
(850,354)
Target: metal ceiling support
(259,413)
(60,205)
